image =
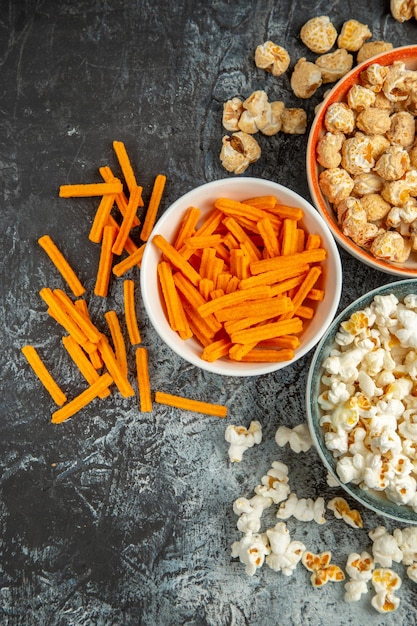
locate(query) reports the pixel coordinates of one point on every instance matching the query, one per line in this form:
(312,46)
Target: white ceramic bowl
(407,55)
(203,198)
(374,500)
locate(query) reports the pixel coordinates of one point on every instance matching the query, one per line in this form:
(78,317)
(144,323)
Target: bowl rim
(220,366)
(314,375)
(340,89)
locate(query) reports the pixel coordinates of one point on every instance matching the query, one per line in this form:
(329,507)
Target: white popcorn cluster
(368,402)
(241,439)
(298,438)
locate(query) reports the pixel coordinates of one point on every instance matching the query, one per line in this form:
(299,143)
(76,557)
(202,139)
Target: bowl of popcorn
(362,161)
(241,276)
(362,401)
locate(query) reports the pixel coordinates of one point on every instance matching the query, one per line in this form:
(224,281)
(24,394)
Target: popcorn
(250,512)
(241,439)
(354,589)
(412,572)
(407,541)
(272,58)
(298,437)
(341,509)
(318,34)
(334,65)
(275,483)
(305,79)
(251,551)
(353,35)
(385,548)
(385,581)
(385,602)
(238,151)
(322,570)
(360,566)
(285,554)
(303,509)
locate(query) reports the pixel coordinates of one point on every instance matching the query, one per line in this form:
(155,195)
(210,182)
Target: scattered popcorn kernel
(285,554)
(232,110)
(239,151)
(353,35)
(354,590)
(305,79)
(250,512)
(339,118)
(385,579)
(334,65)
(360,566)
(298,437)
(371,49)
(241,439)
(272,58)
(318,34)
(251,551)
(385,602)
(275,483)
(385,548)
(342,510)
(407,541)
(294,121)
(402,10)
(329,148)
(323,571)
(412,572)
(273,121)
(303,509)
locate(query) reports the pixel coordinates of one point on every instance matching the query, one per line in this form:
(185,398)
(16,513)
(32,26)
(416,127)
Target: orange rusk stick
(202,241)
(216,350)
(127,222)
(175,311)
(268,356)
(106,258)
(231,299)
(289,237)
(254,308)
(80,401)
(176,259)
(284,211)
(239,234)
(267,331)
(305,312)
(130,312)
(83,322)
(90,189)
(120,198)
(316,294)
(144,385)
(130,245)
(101,218)
(125,165)
(194,297)
(235,208)
(187,226)
(288,284)
(313,242)
(118,340)
(114,368)
(206,286)
(62,265)
(308,256)
(153,206)
(179,402)
(207,255)
(223,280)
(262,202)
(42,372)
(300,240)
(307,284)
(130,261)
(285,341)
(239,350)
(82,362)
(233,284)
(198,325)
(58,312)
(93,355)
(273,276)
(269,237)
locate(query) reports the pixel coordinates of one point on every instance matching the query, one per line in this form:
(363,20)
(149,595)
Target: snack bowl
(376,500)
(406,55)
(203,198)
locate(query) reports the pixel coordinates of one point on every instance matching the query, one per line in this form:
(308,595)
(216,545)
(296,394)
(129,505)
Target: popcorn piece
(250,512)
(407,541)
(385,579)
(357,154)
(251,551)
(334,65)
(393,164)
(318,34)
(385,602)
(385,548)
(412,572)
(255,112)
(402,10)
(374,121)
(298,437)
(360,566)
(360,97)
(303,509)
(275,483)
(402,130)
(373,77)
(241,439)
(354,222)
(322,570)
(371,49)
(239,151)
(339,118)
(294,121)
(285,554)
(272,58)
(329,149)
(232,110)
(354,589)
(336,184)
(391,246)
(398,82)
(353,35)
(305,79)
(367,182)
(342,510)
(331,481)
(376,208)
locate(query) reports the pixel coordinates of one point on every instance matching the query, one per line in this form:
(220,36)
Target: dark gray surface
(118,517)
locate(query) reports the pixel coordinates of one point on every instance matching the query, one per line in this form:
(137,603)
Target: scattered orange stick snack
(153,206)
(179,402)
(144,384)
(127,222)
(84,398)
(101,218)
(130,312)
(118,340)
(176,259)
(120,198)
(90,189)
(42,372)
(174,308)
(106,258)
(135,258)
(125,165)
(82,362)
(62,265)
(114,368)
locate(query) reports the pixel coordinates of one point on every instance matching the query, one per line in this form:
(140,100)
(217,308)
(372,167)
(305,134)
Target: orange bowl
(407,55)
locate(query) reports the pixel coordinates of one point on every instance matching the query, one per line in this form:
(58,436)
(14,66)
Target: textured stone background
(117,517)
